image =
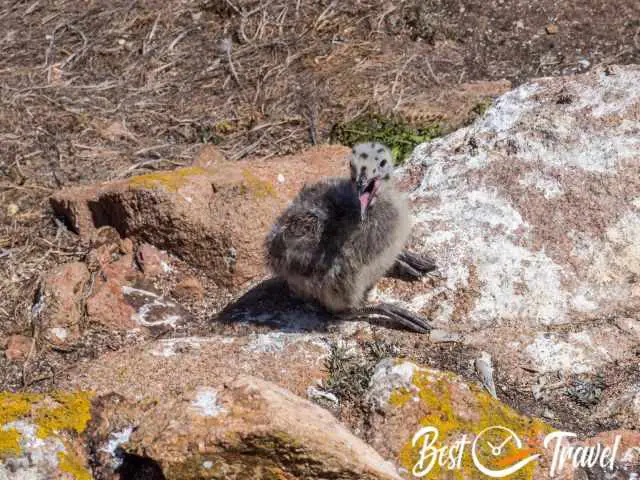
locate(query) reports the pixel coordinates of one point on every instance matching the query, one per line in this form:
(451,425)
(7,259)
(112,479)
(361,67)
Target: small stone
(584,64)
(152,310)
(520,24)
(126,246)
(18,348)
(208,157)
(552,29)
(442,336)
(484,368)
(152,261)
(12,209)
(104,236)
(58,305)
(548,414)
(280,178)
(190,288)
(108,307)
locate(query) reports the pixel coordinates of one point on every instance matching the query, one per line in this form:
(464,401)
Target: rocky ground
(149,290)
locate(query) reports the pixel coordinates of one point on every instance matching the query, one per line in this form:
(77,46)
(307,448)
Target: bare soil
(102,89)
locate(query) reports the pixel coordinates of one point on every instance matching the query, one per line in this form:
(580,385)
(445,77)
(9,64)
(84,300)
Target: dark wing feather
(308,237)
(293,246)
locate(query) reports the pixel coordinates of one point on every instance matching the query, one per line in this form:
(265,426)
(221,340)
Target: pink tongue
(364,200)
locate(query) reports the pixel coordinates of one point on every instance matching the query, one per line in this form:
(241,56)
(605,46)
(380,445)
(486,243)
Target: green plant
(350,370)
(398,135)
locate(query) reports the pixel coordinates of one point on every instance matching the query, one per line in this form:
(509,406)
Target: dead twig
(225,46)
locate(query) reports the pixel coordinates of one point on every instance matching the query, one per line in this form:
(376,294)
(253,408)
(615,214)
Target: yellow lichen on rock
(454,417)
(170,180)
(9,442)
(260,188)
(71,413)
(74,466)
(12,407)
(50,417)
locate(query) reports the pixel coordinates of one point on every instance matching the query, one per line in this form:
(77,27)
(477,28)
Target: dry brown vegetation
(95,90)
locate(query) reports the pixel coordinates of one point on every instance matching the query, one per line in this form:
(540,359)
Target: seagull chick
(341,235)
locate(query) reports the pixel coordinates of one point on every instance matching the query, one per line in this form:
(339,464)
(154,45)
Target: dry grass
(100,89)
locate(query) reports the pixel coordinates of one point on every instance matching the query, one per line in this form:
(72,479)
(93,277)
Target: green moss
(434,393)
(481,107)
(399,136)
(215,134)
(170,180)
(74,466)
(255,185)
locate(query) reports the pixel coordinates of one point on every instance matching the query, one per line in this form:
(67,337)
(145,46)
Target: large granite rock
(216,217)
(533,215)
(249,428)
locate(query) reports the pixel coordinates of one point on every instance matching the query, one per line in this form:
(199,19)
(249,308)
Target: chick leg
(391,315)
(411,266)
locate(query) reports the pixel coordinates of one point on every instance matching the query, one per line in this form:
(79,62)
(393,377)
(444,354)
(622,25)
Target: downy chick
(341,235)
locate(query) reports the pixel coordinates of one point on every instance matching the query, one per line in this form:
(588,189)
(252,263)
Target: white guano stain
(206,403)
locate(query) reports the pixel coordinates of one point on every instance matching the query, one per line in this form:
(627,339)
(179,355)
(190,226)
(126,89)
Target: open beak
(366,190)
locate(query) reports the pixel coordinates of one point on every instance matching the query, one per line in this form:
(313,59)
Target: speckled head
(371,167)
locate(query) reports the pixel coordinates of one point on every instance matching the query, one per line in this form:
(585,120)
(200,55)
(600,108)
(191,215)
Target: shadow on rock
(271,303)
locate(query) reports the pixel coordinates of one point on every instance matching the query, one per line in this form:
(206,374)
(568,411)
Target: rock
(113,419)
(114,131)
(626,462)
(121,299)
(12,209)
(209,157)
(551,29)
(622,410)
(189,288)
(154,311)
(58,306)
(249,428)
(213,219)
(152,261)
(18,348)
(532,214)
(106,304)
(410,399)
(106,235)
(294,361)
(40,436)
